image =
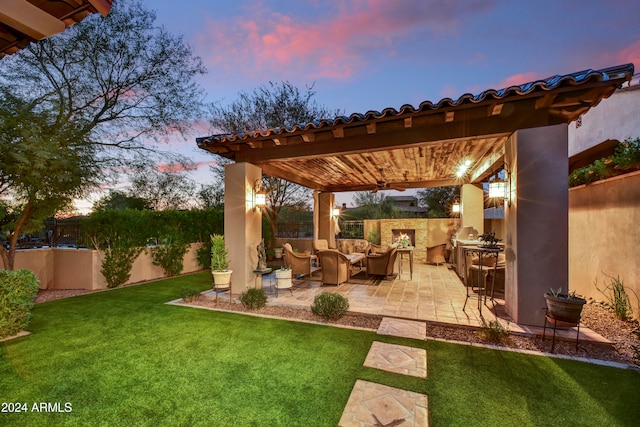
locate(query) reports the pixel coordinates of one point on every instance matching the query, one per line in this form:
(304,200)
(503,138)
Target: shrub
(330,306)
(117,263)
(492,331)
(189,294)
(254,298)
(18,289)
(170,256)
(626,157)
(617,297)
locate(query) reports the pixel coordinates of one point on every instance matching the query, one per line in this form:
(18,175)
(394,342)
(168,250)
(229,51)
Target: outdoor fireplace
(396,233)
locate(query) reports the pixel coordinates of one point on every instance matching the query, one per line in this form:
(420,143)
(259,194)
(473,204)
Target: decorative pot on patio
(283,278)
(221,279)
(567,308)
(278,252)
(219,263)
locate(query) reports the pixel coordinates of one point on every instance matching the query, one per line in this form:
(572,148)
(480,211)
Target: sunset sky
(366,55)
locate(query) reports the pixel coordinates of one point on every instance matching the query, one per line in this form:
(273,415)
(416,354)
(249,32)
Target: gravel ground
(595,316)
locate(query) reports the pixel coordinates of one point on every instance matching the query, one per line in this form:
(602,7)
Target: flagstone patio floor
(435,294)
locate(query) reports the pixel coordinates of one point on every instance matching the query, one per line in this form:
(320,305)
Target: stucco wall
(61,268)
(604,235)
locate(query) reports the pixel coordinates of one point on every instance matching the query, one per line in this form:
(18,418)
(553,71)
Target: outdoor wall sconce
(499,189)
(455,208)
(259,196)
(335,213)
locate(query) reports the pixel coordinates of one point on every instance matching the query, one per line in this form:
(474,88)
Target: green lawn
(123,357)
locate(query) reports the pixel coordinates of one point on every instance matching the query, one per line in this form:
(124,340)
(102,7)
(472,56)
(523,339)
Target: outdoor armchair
(320,245)
(382,264)
(300,264)
(375,249)
(336,268)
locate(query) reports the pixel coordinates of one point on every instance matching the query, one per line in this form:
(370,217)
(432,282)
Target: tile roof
(417,147)
(547,84)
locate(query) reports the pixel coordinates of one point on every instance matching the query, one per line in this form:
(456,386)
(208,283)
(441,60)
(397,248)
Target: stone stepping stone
(372,404)
(399,359)
(403,328)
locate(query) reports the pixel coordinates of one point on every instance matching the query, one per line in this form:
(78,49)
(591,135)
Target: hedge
(18,289)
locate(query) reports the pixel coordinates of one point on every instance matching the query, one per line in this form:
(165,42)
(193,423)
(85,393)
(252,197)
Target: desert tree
(163,189)
(438,200)
(76,107)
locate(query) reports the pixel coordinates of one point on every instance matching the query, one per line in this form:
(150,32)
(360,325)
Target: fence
(298,230)
(295,230)
(55,233)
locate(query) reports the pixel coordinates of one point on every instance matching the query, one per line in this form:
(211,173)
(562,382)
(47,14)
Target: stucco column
(536,221)
(472,207)
(242,225)
(326,224)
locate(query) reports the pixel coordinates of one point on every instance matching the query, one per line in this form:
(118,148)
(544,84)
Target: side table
(401,252)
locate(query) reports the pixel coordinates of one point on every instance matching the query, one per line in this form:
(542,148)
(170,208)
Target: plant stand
(222,281)
(217,288)
(550,318)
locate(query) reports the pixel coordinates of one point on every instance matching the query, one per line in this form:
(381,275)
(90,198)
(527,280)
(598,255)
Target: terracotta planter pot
(565,308)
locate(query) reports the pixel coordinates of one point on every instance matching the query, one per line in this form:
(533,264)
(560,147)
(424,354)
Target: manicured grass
(123,357)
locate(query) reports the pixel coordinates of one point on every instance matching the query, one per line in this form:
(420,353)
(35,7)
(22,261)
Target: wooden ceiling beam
(423,136)
(273,170)
(489,164)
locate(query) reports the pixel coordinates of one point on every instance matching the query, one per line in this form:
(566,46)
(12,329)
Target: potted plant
(284,278)
(277,252)
(219,262)
(564,307)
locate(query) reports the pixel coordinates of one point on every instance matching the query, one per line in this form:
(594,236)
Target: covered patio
(521,130)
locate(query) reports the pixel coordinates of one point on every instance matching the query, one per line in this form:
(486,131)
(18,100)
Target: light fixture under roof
(463,168)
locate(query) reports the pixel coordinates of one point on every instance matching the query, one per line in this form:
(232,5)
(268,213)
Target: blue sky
(366,55)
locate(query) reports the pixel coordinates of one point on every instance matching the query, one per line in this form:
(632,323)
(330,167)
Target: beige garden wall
(604,235)
(62,268)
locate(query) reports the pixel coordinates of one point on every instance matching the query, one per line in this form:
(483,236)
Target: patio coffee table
(356,258)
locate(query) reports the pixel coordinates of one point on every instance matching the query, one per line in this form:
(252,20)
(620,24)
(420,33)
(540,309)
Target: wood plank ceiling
(417,147)
(25,21)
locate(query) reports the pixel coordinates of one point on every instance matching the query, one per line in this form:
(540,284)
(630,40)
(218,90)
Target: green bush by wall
(18,288)
(122,234)
(626,158)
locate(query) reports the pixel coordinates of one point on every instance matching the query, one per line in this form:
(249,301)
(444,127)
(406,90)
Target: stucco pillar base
(472,206)
(326,223)
(242,225)
(536,220)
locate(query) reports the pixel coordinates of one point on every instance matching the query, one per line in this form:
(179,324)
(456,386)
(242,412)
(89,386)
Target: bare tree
(271,106)
(163,190)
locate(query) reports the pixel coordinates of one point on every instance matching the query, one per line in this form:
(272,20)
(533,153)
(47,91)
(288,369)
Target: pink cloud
(328,46)
(518,79)
(630,54)
(176,167)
